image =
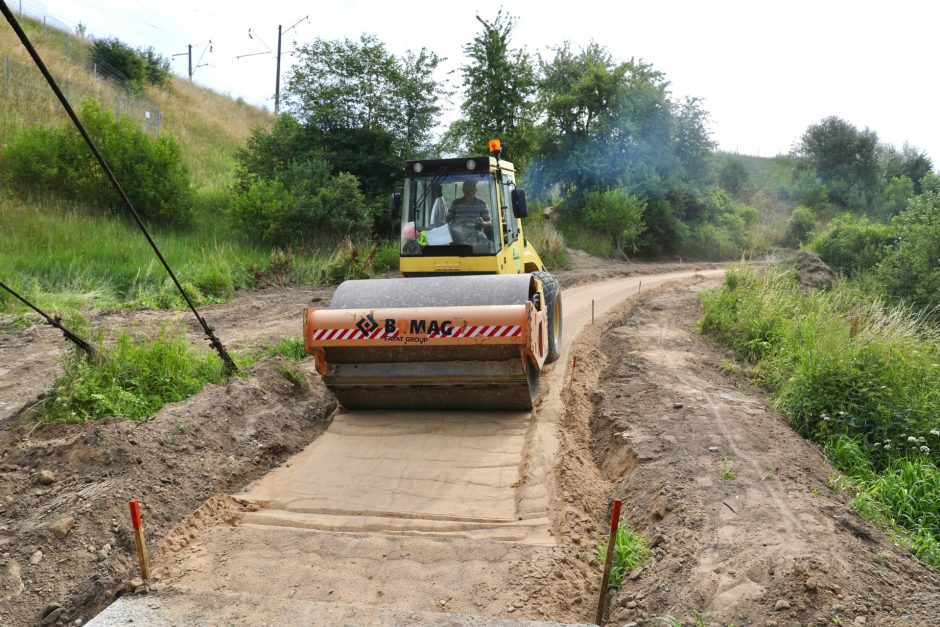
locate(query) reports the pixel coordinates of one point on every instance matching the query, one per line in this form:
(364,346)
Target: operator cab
(455,207)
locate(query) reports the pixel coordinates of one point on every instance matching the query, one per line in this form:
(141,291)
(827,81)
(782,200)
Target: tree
(733,176)
(346,86)
(617,214)
(499,94)
(845,159)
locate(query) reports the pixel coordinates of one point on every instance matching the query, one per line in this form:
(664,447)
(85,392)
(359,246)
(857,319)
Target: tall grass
(853,374)
(65,258)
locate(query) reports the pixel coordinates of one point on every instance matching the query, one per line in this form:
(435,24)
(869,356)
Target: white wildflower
(924,449)
(911,439)
(934,432)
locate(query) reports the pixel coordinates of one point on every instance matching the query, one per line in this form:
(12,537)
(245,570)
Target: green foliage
(291,348)
(897,192)
(342,86)
(630,552)
(852,245)
(616,214)
(137,377)
(734,177)
(845,159)
(135,67)
(910,270)
(57,161)
(851,374)
(800,226)
(499,94)
(304,213)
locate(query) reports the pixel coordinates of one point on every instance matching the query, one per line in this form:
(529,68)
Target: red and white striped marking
(484,330)
(350,334)
(470,331)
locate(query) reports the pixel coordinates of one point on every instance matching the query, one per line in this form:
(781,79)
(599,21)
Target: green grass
(291,348)
(857,376)
(63,258)
(136,378)
(630,552)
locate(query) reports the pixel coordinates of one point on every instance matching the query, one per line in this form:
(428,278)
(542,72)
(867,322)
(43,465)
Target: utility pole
(277,79)
(189,53)
(281,31)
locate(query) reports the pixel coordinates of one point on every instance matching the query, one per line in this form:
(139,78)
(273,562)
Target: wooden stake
(611,543)
(139,537)
(592,311)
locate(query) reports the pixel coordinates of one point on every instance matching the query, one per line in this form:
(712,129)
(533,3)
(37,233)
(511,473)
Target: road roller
(475,317)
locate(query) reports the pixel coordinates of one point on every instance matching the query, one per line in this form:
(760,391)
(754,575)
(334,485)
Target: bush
(799,227)
(137,377)
(133,67)
(616,214)
(853,245)
(57,161)
(910,270)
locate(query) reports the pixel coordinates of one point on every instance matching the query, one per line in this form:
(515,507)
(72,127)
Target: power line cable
(214,341)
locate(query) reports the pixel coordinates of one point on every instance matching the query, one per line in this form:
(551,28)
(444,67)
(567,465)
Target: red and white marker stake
(139,537)
(611,543)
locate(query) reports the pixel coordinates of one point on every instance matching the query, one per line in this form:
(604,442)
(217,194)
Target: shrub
(136,378)
(799,227)
(133,67)
(57,161)
(852,245)
(910,270)
(548,242)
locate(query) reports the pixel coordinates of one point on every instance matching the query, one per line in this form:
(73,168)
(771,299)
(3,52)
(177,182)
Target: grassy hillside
(67,254)
(208,125)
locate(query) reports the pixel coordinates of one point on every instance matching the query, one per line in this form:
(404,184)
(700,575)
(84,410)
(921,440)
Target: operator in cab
(469,209)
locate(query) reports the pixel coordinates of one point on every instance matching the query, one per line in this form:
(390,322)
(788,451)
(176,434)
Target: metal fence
(22,88)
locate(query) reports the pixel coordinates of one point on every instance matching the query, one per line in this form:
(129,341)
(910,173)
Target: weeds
(726,472)
(630,552)
(294,375)
(136,378)
(292,348)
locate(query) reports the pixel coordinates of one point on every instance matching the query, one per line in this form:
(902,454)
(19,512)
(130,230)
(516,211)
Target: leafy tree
(499,93)
(845,159)
(909,162)
(345,86)
(910,270)
(617,214)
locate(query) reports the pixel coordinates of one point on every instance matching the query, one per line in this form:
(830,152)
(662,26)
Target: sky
(764,70)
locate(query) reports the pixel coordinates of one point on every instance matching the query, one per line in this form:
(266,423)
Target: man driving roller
(470,210)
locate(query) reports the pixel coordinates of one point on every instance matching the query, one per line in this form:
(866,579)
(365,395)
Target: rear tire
(553,306)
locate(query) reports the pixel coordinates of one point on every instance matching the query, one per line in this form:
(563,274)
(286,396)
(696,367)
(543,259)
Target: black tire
(553,305)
